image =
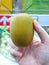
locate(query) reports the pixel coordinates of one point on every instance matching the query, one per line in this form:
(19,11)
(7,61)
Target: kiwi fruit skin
(21,29)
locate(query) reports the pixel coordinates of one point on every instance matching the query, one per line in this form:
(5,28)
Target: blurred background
(29,6)
(37,9)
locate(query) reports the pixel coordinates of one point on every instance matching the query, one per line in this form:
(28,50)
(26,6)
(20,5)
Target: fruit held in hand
(21,29)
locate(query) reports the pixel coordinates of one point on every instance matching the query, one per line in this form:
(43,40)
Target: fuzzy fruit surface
(21,29)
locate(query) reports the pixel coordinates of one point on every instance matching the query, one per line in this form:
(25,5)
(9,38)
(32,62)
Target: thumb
(41,32)
(8,28)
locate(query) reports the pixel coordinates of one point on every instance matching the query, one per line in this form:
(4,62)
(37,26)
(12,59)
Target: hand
(37,53)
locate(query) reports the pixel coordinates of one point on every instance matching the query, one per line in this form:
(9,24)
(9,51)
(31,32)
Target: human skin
(37,53)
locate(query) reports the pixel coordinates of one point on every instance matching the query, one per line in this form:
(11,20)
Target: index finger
(41,32)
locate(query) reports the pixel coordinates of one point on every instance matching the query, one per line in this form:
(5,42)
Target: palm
(40,54)
(27,57)
(28,54)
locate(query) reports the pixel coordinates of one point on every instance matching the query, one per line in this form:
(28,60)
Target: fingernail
(35,20)
(36,23)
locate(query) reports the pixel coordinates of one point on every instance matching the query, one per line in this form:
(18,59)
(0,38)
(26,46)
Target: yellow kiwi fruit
(21,29)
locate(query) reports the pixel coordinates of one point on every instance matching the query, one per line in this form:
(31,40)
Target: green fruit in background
(21,29)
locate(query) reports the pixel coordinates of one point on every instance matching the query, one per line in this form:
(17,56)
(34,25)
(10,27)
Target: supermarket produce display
(36,6)
(29,6)
(4,47)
